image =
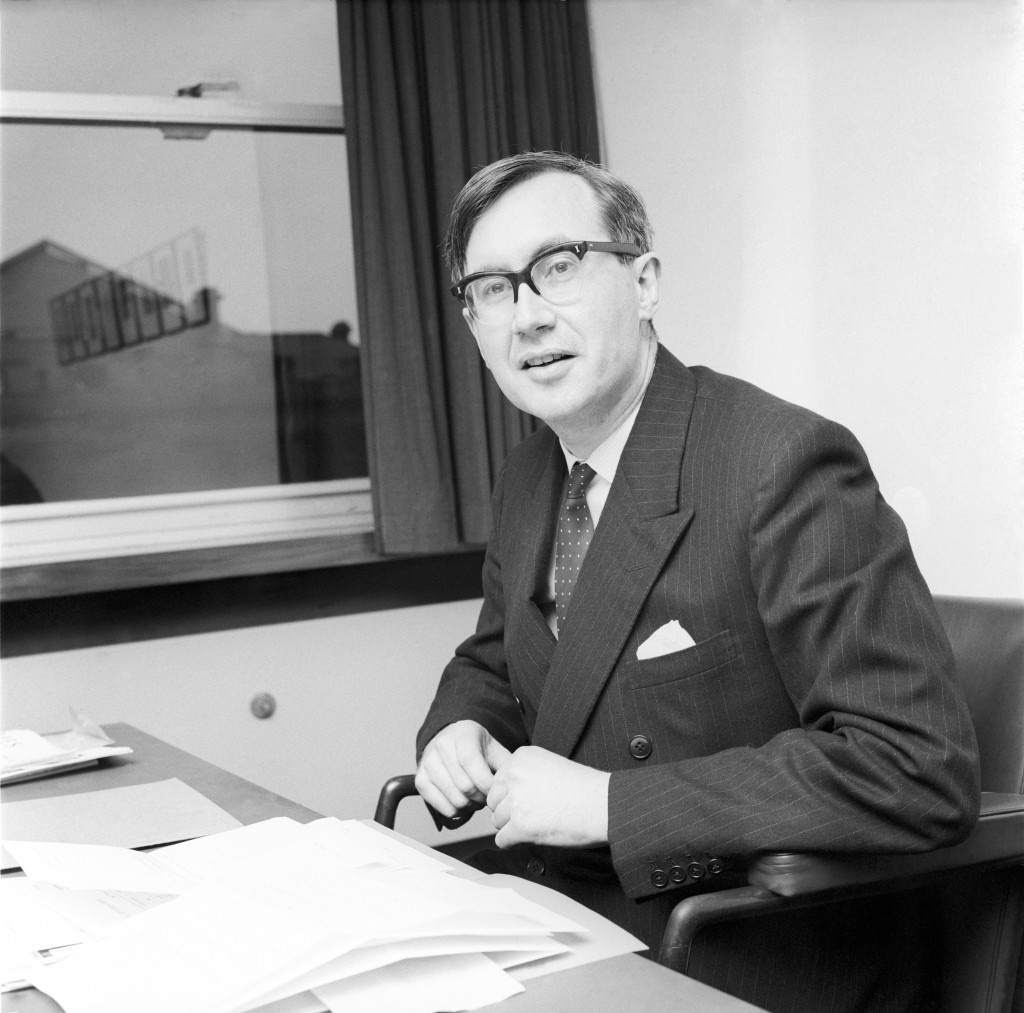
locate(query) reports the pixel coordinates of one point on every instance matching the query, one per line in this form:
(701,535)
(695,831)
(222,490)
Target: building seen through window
(178,306)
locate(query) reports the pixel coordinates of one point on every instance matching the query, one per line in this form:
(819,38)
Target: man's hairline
(460,269)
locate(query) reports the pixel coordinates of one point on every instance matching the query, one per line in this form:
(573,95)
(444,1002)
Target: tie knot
(579,479)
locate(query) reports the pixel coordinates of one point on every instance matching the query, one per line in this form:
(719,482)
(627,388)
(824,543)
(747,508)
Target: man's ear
(647,272)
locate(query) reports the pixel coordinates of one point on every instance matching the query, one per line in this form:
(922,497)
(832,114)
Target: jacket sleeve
(884,756)
(475,684)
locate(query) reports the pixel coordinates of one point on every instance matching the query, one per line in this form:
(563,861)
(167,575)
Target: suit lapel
(643,520)
(535,533)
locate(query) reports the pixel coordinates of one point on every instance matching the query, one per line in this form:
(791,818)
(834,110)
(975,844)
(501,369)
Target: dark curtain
(433,90)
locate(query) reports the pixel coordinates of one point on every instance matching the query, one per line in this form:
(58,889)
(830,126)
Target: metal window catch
(204,87)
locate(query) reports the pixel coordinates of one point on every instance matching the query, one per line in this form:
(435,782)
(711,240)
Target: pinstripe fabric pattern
(816,710)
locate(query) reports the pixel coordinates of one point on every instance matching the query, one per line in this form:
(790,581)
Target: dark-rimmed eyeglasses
(555,275)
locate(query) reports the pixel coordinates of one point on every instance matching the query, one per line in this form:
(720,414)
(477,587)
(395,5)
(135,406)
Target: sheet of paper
(21,746)
(132,816)
(363,842)
(40,917)
(598,940)
(304,1002)
(237,939)
(350,843)
(513,949)
(25,754)
(47,916)
(459,982)
(27,926)
(96,867)
(175,868)
(214,946)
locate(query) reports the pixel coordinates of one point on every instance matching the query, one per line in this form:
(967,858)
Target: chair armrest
(394,790)
(402,786)
(787,881)
(997,839)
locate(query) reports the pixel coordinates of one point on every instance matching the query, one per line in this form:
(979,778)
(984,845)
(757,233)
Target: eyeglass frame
(579,247)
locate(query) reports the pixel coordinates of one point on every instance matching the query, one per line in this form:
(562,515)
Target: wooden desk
(627,982)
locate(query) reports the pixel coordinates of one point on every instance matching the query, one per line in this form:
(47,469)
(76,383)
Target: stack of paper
(25,754)
(285,917)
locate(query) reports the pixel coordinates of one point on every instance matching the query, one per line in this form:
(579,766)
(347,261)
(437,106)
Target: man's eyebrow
(548,244)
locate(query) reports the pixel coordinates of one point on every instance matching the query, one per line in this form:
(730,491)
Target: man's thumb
(495,753)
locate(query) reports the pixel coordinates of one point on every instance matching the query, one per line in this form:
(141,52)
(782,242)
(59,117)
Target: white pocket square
(665,640)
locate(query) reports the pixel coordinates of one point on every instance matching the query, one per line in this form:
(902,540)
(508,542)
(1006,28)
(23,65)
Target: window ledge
(98,545)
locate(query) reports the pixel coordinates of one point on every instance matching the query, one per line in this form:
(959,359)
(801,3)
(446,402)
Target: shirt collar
(605,458)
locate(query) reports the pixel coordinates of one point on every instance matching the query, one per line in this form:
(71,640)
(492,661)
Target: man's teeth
(543,360)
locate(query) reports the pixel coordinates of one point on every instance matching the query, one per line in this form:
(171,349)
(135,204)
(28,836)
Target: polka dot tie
(575,529)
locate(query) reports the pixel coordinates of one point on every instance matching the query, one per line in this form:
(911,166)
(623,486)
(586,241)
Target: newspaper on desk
(25,754)
(280,916)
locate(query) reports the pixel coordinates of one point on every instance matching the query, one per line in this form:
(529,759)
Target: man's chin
(547,399)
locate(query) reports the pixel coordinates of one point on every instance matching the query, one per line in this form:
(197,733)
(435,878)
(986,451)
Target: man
(748,659)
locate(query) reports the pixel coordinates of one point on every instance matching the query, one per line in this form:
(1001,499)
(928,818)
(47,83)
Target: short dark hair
(622,208)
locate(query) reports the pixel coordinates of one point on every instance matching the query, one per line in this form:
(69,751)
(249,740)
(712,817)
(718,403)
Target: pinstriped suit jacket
(817,709)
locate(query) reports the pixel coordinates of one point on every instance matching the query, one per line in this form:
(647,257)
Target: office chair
(979,883)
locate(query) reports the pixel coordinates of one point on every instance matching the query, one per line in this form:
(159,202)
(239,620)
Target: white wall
(835,191)
(833,188)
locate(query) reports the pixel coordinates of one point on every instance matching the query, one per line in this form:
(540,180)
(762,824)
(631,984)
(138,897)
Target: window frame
(80,546)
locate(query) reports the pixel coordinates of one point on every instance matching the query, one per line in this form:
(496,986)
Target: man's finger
(434,798)
(496,754)
(474,764)
(434,776)
(497,794)
(506,837)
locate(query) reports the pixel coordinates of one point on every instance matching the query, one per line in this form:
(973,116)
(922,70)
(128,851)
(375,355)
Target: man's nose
(530,310)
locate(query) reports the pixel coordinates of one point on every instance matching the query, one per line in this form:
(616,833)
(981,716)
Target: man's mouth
(537,361)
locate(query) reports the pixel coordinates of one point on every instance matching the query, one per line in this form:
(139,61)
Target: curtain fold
(433,90)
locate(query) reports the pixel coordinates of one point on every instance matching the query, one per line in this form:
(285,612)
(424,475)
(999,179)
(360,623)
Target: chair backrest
(983,914)
(987,637)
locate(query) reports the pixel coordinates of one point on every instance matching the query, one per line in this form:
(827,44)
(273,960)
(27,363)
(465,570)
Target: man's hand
(457,767)
(540,797)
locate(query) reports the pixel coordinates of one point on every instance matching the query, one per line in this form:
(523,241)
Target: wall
(833,189)
(835,193)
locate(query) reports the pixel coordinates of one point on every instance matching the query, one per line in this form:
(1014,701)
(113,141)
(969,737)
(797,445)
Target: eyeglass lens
(556,277)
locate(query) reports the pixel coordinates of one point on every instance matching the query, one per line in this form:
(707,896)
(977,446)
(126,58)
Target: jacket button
(677,874)
(535,867)
(659,878)
(640,747)
(716,866)
(695,870)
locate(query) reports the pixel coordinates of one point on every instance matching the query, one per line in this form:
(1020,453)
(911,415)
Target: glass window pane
(177,315)
(276,50)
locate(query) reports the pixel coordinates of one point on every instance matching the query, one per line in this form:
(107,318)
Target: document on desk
(325,911)
(40,920)
(26,755)
(131,816)
(176,868)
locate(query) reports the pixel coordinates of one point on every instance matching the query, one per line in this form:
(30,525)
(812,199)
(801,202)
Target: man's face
(579,367)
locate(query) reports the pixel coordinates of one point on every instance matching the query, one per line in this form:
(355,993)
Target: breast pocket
(686,703)
(706,656)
